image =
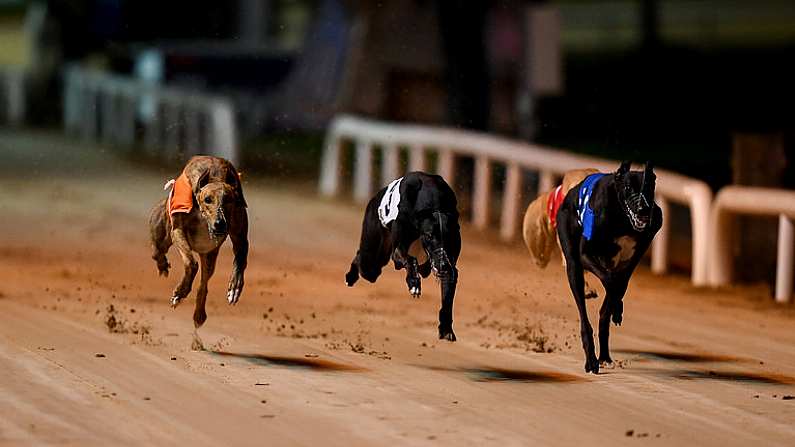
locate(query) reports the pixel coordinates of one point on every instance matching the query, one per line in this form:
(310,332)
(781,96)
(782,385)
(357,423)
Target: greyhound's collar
(554,200)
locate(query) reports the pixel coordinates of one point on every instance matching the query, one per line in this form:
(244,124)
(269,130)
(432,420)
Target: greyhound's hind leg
(160,237)
(208,268)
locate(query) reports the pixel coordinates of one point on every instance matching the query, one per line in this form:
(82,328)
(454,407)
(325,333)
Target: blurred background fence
(12,95)
(176,123)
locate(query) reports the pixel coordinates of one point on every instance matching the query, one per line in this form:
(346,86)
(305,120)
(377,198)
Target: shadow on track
(488,374)
(674,356)
(315,364)
(733,376)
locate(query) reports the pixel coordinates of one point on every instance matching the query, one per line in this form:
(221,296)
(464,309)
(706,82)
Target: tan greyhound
(205,205)
(539,226)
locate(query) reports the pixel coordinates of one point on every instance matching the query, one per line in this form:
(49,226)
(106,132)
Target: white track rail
(105,107)
(12,95)
(488,150)
(760,202)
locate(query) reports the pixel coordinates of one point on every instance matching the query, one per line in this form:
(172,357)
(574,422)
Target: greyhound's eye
(208,199)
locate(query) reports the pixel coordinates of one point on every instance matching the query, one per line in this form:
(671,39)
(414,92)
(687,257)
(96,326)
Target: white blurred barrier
(488,150)
(12,95)
(753,201)
(110,108)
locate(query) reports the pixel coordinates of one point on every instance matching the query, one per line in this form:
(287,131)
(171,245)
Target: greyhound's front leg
(191,266)
(613,301)
(208,268)
(240,248)
(413,281)
(413,277)
(353,274)
(575,272)
(449,281)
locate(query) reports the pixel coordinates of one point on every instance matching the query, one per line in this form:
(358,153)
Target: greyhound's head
(432,235)
(636,193)
(215,203)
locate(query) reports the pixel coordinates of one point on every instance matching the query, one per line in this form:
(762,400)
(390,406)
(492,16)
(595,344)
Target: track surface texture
(91,354)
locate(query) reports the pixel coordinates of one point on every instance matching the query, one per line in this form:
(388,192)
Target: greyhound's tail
(538,235)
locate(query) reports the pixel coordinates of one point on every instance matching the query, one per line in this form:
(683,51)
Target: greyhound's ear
(201,182)
(649,178)
(648,172)
(624,168)
(233,179)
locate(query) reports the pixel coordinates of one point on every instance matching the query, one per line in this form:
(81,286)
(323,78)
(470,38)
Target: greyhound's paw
(415,285)
(447,334)
(235,289)
(592,365)
(175,300)
(618,313)
(233,295)
(351,277)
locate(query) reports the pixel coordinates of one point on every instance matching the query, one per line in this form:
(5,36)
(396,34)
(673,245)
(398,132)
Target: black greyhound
(605,225)
(413,221)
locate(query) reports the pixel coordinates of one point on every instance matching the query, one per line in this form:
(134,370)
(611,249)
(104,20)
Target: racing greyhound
(205,205)
(605,225)
(413,221)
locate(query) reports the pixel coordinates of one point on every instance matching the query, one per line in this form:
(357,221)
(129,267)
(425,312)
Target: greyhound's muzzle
(219,228)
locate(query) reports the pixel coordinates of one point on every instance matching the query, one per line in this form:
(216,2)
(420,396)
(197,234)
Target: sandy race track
(92,354)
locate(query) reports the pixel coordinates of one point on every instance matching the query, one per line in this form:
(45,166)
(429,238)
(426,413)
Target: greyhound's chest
(616,254)
(626,250)
(199,237)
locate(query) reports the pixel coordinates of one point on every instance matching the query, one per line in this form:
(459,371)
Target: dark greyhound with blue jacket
(414,222)
(605,225)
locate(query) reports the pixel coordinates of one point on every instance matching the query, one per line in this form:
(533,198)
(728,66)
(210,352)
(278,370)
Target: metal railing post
(390,161)
(511,201)
(330,166)
(659,248)
(363,171)
(416,158)
(785,258)
(447,166)
(482,193)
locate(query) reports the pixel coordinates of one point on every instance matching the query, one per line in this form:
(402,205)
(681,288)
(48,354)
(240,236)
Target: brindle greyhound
(605,225)
(218,209)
